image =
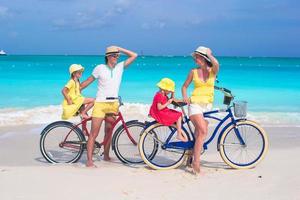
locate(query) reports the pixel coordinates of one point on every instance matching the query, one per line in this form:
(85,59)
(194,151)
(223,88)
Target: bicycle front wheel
(125,144)
(156,148)
(62,142)
(243,146)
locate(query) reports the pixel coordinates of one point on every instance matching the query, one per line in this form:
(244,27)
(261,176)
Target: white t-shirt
(109,80)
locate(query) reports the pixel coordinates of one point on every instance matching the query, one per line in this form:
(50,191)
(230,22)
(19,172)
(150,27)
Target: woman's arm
(132,55)
(86,83)
(65,92)
(185,86)
(214,61)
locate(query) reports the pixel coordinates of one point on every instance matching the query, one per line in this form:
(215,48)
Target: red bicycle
(65,142)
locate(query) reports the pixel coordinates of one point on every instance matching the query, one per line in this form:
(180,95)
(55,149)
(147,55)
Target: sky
(156,27)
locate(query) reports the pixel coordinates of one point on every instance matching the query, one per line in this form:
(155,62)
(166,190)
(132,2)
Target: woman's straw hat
(202,51)
(75,67)
(112,50)
(166,84)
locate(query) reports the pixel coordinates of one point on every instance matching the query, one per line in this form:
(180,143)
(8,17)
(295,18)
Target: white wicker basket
(240,109)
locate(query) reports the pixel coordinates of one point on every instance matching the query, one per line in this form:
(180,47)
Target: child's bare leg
(180,136)
(89,102)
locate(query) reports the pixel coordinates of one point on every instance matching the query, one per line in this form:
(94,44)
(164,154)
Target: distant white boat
(2,53)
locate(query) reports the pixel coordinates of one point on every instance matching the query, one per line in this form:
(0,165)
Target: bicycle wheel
(62,142)
(125,145)
(245,156)
(156,149)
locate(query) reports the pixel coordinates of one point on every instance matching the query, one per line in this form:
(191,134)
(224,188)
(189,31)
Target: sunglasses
(115,55)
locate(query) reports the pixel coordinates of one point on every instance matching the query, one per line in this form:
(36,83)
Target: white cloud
(92,18)
(13,34)
(145,26)
(154,25)
(4,12)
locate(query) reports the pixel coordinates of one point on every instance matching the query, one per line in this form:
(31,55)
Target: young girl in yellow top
(73,100)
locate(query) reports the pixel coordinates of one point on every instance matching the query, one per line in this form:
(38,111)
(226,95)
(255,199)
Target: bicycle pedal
(189,161)
(189,153)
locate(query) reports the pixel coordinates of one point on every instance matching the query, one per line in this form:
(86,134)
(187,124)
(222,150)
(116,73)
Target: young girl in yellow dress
(73,100)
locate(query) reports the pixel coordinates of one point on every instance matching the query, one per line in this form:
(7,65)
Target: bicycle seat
(179,103)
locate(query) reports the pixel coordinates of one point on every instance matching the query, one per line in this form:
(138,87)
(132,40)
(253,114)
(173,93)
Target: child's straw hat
(75,67)
(166,84)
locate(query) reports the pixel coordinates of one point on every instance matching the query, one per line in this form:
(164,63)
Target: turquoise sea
(268,84)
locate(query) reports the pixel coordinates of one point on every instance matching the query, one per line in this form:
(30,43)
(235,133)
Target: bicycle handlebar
(224,90)
(179,103)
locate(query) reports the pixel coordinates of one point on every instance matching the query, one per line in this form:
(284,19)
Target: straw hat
(166,84)
(112,50)
(75,67)
(202,51)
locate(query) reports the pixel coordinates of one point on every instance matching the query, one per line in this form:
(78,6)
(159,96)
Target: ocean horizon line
(148,55)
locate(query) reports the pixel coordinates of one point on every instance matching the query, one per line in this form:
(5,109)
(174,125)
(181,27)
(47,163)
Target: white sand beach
(25,174)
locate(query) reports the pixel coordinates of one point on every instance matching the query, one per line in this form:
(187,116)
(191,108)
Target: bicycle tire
(62,142)
(153,152)
(124,148)
(255,148)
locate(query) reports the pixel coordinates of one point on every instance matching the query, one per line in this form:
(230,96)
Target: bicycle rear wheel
(155,148)
(125,145)
(246,156)
(62,142)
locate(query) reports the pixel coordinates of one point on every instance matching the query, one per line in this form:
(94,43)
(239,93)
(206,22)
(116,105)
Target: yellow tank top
(203,91)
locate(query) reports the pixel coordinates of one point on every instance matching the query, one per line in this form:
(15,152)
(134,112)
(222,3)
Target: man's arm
(87,82)
(131,56)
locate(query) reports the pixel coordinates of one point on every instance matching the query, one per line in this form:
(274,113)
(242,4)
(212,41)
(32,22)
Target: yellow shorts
(103,108)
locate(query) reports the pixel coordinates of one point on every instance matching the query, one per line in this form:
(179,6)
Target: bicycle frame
(186,120)
(233,121)
(107,137)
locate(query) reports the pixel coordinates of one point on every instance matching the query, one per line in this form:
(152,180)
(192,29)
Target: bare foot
(181,137)
(84,115)
(91,164)
(106,158)
(196,167)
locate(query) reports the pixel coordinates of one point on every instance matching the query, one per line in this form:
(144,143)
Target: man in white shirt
(109,78)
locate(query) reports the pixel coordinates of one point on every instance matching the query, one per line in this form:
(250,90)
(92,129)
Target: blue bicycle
(241,143)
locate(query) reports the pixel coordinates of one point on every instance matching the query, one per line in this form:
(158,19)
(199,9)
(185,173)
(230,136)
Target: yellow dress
(203,91)
(76,97)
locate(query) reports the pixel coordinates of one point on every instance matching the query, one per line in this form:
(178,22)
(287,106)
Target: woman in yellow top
(73,99)
(202,97)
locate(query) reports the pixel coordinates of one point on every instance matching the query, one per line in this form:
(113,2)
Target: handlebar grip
(226,90)
(179,103)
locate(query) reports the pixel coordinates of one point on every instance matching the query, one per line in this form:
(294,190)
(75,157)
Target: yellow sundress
(76,97)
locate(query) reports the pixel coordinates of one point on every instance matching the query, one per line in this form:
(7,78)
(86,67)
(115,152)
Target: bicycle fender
(119,129)
(148,124)
(54,123)
(132,121)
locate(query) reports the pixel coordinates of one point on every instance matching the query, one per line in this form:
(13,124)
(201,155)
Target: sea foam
(130,111)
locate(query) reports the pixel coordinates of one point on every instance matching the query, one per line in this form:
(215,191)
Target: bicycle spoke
(61,142)
(236,154)
(155,147)
(155,138)
(125,143)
